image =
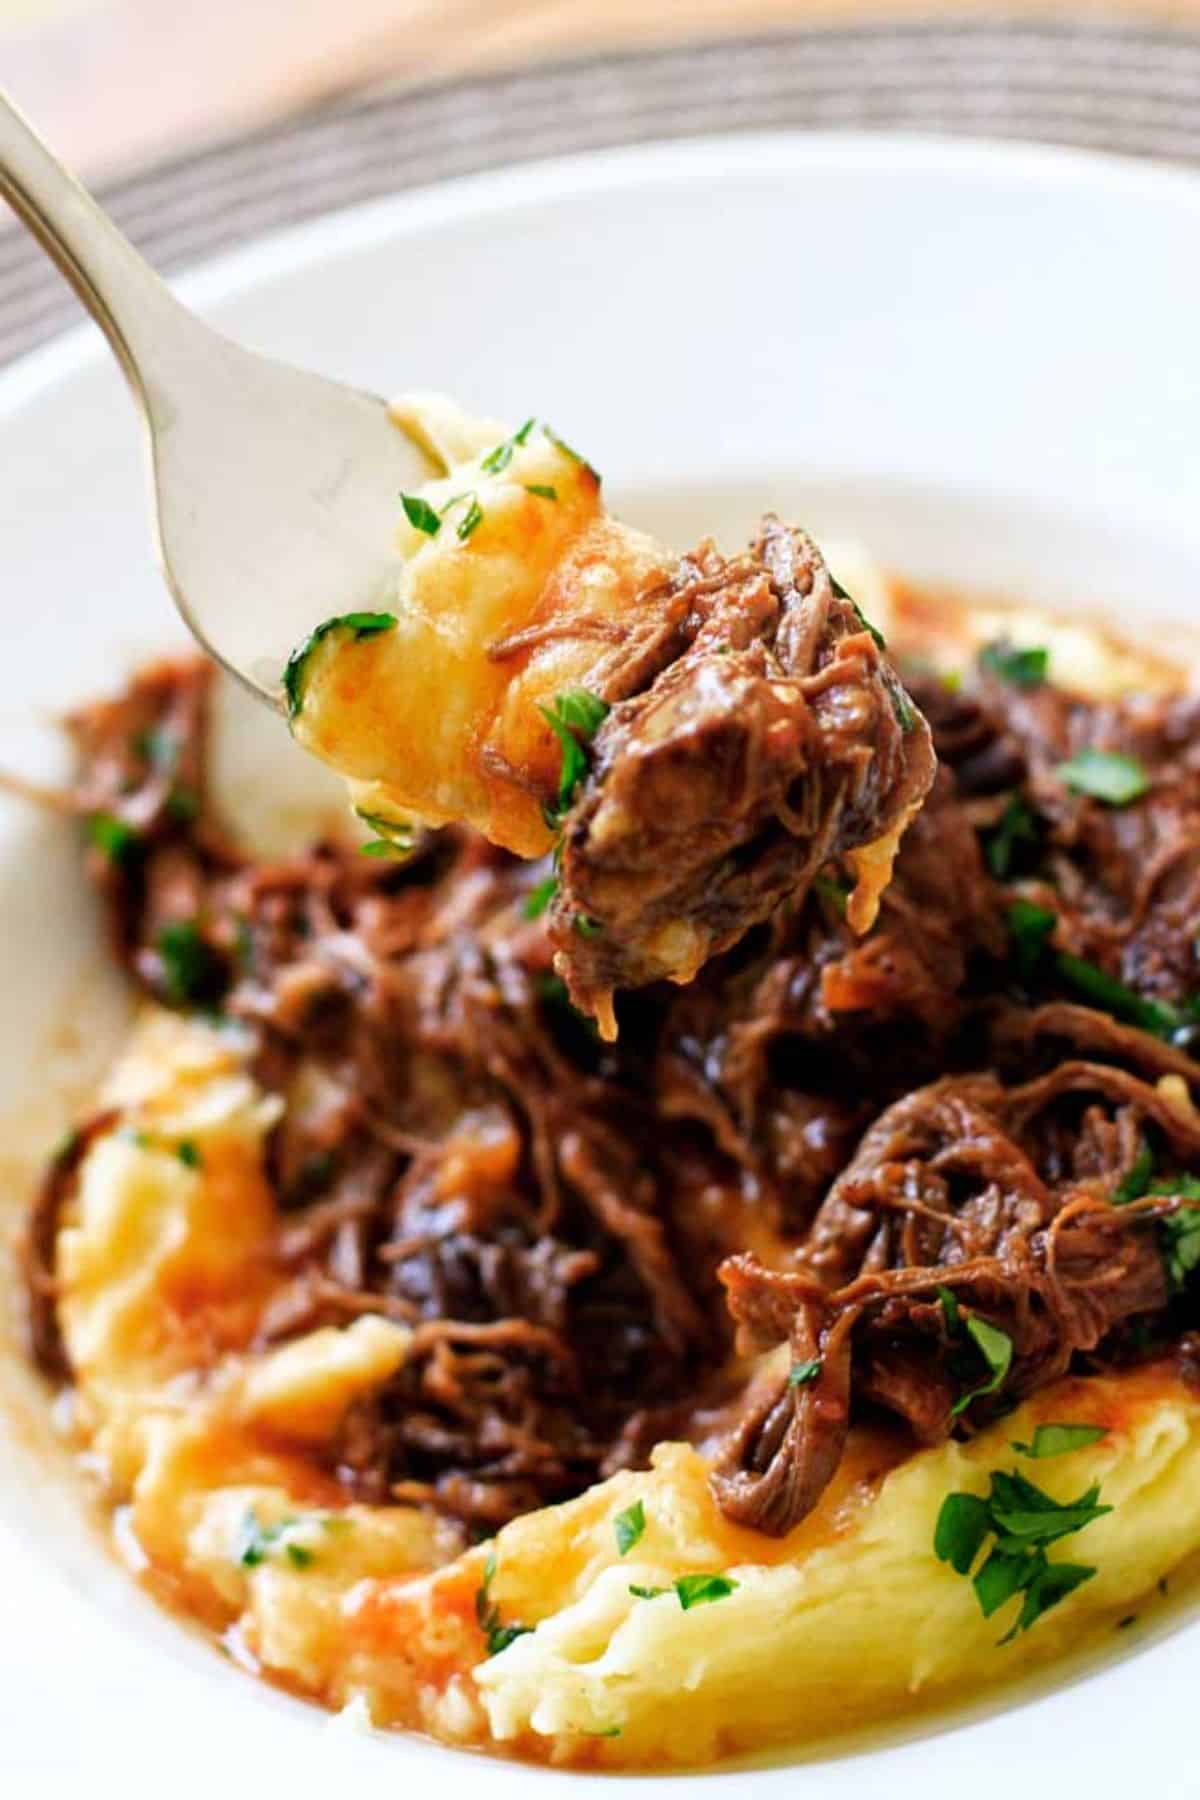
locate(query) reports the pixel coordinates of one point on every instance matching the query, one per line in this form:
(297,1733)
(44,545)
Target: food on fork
(692,739)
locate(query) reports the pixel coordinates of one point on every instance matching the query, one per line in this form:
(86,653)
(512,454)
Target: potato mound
(213,1453)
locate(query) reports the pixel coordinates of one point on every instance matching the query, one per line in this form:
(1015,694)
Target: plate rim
(948,1749)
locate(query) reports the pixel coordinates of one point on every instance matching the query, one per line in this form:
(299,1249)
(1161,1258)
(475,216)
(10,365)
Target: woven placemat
(1099,84)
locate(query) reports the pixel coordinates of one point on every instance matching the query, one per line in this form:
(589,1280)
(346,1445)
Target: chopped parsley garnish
(561,444)
(1024,1521)
(1031,927)
(691,1590)
(906,718)
(498,459)
(471,520)
(841,594)
(832,892)
(1179,1234)
(1023,668)
(541,490)
(962,1525)
(860,615)
(538,898)
(1159,1017)
(188,1154)
(1059,1440)
(698,1590)
(189,966)
(1106,775)
(1137,1181)
(394,837)
(801,1373)
(487,1613)
(1016,826)
(628,1527)
(420,514)
(996,1348)
(574,717)
(112,835)
(359,624)
(587,928)
(257,1542)
(951,1311)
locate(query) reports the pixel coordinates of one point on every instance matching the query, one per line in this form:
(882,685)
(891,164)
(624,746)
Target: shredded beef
(849,1145)
(768,736)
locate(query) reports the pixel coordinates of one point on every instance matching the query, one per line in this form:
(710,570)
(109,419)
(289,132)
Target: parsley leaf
(471,520)
(188,1154)
(256,1542)
(906,718)
(1023,1521)
(801,1373)
(1031,927)
(1159,1017)
(358,624)
(1016,826)
(1179,1234)
(832,892)
(574,717)
(498,459)
(691,1590)
(420,514)
(1050,1583)
(1105,775)
(395,837)
(628,1527)
(561,444)
(189,968)
(996,1348)
(951,1311)
(1000,1577)
(1023,668)
(1058,1440)
(487,1613)
(1135,1182)
(840,593)
(962,1525)
(1023,1513)
(538,898)
(698,1590)
(112,835)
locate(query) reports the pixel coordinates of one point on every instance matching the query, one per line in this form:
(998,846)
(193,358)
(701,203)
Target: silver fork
(275,493)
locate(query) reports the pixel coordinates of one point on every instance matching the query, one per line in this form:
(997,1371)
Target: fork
(274,492)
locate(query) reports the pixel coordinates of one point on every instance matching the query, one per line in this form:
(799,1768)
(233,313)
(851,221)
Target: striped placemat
(1093,83)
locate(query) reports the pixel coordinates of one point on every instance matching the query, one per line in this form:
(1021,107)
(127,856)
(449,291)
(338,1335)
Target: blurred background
(115,83)
(205,123)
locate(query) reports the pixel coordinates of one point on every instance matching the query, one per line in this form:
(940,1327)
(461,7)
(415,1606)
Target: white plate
(983,361)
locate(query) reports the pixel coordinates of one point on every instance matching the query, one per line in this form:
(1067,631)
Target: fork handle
(128,301)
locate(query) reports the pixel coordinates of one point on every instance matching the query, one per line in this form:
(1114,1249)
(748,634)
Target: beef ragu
(943,1162)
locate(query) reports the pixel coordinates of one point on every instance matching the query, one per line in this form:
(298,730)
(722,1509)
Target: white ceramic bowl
(982,361)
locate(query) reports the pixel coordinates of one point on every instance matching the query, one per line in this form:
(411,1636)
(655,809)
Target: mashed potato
(214,1454)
